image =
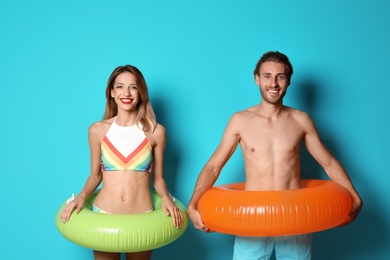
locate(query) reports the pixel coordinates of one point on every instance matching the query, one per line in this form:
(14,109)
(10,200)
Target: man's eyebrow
(277,74)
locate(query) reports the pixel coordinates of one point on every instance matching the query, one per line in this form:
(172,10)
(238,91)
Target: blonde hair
(145,117)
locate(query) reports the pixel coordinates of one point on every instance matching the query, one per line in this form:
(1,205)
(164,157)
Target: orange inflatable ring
(318,205)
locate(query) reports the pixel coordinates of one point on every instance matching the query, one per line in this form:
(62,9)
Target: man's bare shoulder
(299,115)
(239,117)
(245,114)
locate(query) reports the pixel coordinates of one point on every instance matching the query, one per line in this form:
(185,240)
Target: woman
(125,146)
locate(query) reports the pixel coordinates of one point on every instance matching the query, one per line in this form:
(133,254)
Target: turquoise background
(198,58)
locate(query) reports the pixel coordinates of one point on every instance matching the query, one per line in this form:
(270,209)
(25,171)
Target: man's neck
(270,110)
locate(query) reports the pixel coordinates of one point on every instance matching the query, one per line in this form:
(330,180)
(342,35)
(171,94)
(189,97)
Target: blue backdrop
(198,58)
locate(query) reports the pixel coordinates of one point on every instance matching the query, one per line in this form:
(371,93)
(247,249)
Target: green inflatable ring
(121,233)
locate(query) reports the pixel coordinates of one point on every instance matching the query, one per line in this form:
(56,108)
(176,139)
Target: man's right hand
(196,219)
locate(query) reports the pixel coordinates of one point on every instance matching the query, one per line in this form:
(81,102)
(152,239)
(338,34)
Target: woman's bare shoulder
(160,128)
(158,135)
(100,127)
(159,132)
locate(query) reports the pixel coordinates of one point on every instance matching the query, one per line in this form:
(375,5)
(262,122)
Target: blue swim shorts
(285,247)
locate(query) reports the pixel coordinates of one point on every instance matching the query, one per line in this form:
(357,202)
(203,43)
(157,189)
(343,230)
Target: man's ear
(257,80)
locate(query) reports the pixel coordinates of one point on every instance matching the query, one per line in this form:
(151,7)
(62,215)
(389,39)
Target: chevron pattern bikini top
(126,148)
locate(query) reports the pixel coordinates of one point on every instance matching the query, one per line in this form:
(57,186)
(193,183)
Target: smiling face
(125,91)
(273,82)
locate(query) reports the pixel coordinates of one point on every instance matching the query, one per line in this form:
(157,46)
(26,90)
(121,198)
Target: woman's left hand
(172,210)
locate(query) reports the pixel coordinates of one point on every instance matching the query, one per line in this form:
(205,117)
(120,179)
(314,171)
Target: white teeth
(273,91)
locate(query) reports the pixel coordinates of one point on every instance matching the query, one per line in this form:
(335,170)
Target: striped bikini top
(126,148)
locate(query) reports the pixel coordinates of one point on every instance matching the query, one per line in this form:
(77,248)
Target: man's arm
(332,167)
(212,169)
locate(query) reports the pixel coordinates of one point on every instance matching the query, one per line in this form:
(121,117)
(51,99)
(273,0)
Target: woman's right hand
(77,204)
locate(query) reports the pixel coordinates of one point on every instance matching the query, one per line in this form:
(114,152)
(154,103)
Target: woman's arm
(159,144)
(94,178)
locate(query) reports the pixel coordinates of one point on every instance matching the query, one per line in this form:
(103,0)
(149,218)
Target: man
(269,135)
